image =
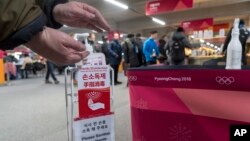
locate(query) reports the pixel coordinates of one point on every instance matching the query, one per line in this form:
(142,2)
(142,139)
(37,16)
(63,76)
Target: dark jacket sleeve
(126,52)
(110,49)
(47,7)
(186,42)
(228,39)
(21,20)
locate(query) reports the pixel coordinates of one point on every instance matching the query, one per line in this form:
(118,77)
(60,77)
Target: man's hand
(77,14)
(58,47)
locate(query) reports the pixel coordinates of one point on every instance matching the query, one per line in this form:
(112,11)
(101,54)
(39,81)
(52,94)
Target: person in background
(162,48)
(176,47)
(35,23)
(150,49)
(131,51)
(139,43)
(91,41)
(244,35)
(27,61)
(19,65)
(115,56)
(50,71)
(104,48)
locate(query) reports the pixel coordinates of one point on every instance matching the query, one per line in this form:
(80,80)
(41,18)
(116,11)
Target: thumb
(73,44)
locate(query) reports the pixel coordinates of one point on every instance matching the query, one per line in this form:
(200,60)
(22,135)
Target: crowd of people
(132,51)
(29,64)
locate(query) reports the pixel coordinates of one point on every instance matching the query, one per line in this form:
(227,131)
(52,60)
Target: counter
(200,60)
(189,103)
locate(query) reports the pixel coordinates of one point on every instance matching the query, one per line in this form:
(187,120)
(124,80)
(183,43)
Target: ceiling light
(192,36)
(65,26)
(159,21)
(208,44)
(117,3)
(212,45)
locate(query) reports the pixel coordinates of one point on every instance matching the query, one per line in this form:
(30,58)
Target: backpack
(177,51)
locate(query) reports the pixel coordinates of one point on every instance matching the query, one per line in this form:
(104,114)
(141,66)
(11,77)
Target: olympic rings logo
(225,80)
(132,78)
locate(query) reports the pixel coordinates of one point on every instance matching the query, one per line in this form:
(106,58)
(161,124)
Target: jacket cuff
(25,34)
(48,11)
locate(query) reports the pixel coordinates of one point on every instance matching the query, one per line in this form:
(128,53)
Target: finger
(77,11)
(93,27)
(78,56)
(73,44)
(99,19)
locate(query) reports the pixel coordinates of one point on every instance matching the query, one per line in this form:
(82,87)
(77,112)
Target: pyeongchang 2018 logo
(225,80)
(132,78)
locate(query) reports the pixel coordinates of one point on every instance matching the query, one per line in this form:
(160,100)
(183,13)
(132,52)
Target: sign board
(201,24)
(95,129)
(163,6)
(93,91)
(94,59)
(218,27)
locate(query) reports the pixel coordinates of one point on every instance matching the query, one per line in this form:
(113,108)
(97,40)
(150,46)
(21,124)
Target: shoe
(57,82)
(48,82)
(118,83)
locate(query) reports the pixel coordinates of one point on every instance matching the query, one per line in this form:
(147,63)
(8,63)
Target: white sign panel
(93,77)
(94,59)
(95,129)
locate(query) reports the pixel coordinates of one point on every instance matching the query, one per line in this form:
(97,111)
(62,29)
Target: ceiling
(134,19)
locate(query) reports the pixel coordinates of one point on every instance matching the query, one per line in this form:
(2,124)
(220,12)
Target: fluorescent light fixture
(212,45)
(208,44)
(117,3)
(202,41)
(100,42)
(159,21)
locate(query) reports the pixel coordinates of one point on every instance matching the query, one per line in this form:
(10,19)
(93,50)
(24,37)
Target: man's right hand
(81,15)
(58,47)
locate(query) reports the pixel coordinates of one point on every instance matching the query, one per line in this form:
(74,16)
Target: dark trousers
(115,68)
(24,73)
(50,71)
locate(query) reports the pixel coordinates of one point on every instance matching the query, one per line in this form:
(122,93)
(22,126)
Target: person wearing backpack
(130,50)
(176,47)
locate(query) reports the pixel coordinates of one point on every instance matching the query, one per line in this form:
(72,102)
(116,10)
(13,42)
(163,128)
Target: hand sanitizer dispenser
(234,49)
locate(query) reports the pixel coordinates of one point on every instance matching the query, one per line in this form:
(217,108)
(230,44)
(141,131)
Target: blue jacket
(114,50)
(148,47)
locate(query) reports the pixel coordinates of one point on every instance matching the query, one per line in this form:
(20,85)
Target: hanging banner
(162,6)
(93,91)
(201,24)
(95,129)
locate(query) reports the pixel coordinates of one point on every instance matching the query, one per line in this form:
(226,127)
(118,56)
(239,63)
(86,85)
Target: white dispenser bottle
(234,49)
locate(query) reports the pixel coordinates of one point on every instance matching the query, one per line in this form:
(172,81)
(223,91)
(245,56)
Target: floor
(33,111)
